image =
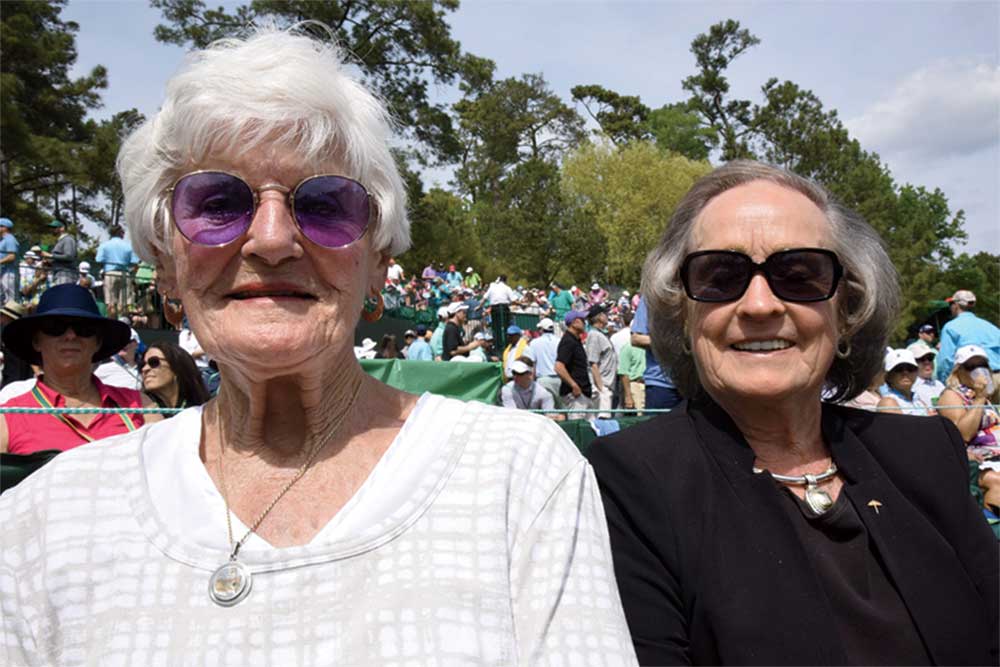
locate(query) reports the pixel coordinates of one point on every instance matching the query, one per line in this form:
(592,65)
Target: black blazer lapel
(919,561)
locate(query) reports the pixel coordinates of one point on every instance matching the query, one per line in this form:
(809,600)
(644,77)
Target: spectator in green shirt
(561,302)
(631,366)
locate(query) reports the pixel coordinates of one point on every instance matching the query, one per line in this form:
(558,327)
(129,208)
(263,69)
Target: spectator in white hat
(121,369)
(901,378)
(927,388)
(454,339)
(437,337)
(479,354)
(544,349)
(967,402)
(523,393)
(597,295)
(967,329)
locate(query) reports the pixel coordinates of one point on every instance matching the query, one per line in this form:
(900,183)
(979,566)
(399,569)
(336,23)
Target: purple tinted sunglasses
(213,208)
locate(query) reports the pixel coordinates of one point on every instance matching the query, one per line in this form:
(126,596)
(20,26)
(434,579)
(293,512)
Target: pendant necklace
(819,501)
(231,582)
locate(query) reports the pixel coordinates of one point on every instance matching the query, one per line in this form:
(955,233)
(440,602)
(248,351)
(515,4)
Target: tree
(509,122)
(43,128)
(709,88)
(103,199)
(630,194)
(675,128)
(400,47)
(441,229)
(531,233)
(622,118)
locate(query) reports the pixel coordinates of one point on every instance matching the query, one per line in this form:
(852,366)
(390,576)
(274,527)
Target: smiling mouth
(271,294)
(762,345)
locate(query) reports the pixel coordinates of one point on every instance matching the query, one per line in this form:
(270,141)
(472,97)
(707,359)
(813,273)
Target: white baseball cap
(898,358)
(546,324)
(921,349)
(456,306)
(967,352)
(442,312)
(517,367)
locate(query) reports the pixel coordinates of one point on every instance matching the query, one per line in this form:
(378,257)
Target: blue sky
(916,82)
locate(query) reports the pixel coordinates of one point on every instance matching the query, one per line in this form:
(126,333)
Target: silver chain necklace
(231,582)
(819,501)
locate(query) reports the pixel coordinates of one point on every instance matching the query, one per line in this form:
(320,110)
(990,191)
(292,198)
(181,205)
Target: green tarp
(582,434)
(467,381)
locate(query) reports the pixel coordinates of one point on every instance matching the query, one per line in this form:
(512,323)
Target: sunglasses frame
(289,194)
(71,323)
(762,267)
(160,361)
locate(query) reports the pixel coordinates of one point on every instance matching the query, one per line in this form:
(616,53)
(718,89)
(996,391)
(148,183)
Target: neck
(905,393)
(281,418)
(170,394)
(786,436)
(71,383)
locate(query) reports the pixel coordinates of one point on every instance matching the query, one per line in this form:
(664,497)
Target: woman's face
(902,378)
(66,351)
(272,301)
(159,378)
(758,219)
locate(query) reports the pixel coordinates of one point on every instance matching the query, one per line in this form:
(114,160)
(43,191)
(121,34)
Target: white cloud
(951,107)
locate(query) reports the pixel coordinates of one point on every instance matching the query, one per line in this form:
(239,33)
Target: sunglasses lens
(332,211)
(802,275)
(58,327)
(716,276)
(152,362)
(211,207)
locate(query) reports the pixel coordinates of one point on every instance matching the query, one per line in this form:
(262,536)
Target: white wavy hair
(275,88)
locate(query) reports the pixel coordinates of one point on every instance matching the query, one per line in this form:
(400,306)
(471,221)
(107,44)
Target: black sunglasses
(800,275)
(973,365)
(152,362)
(57,326)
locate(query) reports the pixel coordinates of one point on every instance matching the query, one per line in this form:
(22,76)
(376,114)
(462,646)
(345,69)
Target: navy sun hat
(65,301)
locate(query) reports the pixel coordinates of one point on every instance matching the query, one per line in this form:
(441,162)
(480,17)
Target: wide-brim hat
(65,301)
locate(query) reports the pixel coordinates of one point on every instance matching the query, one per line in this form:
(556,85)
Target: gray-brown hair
(870,297)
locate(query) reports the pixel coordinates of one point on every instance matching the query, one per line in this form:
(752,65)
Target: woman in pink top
(66,336)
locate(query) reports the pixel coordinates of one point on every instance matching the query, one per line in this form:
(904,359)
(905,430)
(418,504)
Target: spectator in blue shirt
(967,329)
(660,389)
(419,350)
(8,262)
(118,260)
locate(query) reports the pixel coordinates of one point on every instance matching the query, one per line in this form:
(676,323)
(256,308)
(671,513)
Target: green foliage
(442,231)
(527,230)
(509,122)
(709,88)
(630,194)
(400,47)
(43,126)
(979,273)
(622,118)
(676,128)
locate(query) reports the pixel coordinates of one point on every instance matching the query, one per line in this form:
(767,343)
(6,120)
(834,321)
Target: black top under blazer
(710,567)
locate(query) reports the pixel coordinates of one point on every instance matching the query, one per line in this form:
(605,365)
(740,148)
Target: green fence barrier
(467,381)
(581,433)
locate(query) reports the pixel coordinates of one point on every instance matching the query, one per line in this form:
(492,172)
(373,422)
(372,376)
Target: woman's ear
(166,275)
(380,268)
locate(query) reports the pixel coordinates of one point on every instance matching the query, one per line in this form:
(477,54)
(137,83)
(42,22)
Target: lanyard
(44,402)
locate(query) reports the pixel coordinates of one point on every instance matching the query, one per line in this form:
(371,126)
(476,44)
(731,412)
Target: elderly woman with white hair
(309,514)
(757,524)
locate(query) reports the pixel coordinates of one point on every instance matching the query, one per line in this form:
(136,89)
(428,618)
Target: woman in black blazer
(756,524)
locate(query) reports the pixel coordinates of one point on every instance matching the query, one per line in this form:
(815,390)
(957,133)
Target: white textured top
(491,550)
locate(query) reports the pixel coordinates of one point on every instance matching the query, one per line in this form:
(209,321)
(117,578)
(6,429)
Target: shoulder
(926,439)
(666,445)
(85,479)
(525,443)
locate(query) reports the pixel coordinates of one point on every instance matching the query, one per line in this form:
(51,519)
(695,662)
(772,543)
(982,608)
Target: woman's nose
(273,235)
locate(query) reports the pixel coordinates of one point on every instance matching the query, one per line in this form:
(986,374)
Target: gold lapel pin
(874,504)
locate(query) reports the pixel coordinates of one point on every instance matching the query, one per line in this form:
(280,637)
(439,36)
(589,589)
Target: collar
(57,400)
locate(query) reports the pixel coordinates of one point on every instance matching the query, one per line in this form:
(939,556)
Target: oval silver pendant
(230,584)
(819,501)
